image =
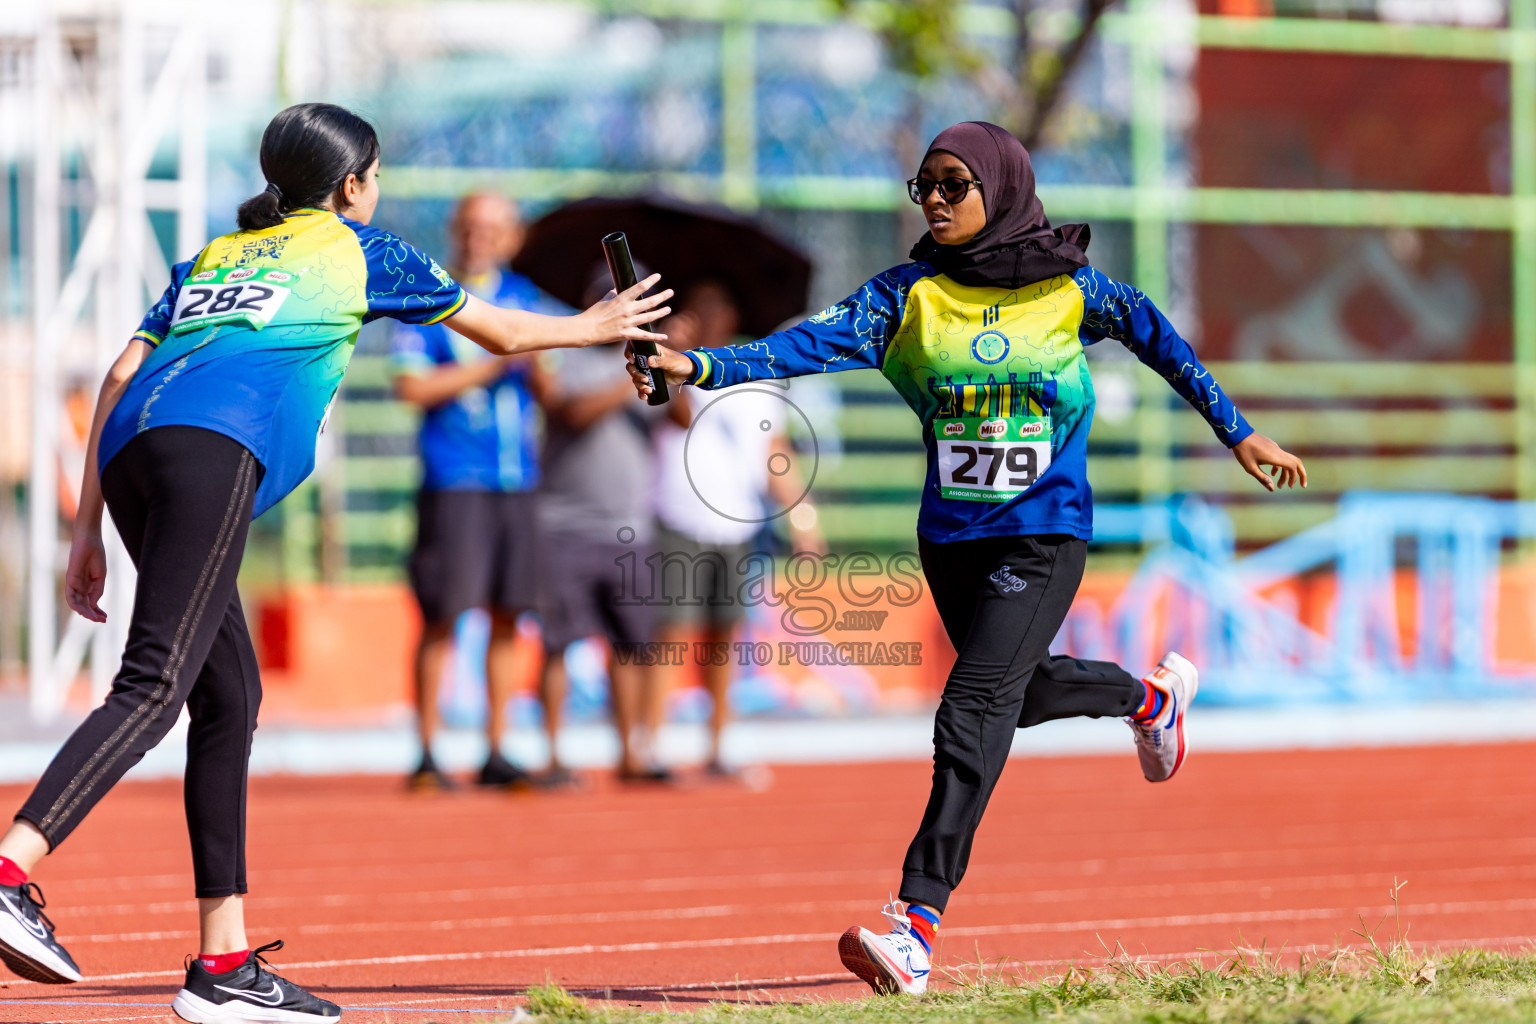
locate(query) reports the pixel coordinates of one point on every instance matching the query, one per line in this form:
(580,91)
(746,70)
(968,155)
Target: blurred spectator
(718,483)
(476,535)
(595,513)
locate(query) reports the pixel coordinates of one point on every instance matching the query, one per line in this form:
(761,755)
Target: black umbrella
(685,242)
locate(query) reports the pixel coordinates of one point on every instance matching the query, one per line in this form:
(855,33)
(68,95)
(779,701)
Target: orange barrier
(348,650)
(337,649)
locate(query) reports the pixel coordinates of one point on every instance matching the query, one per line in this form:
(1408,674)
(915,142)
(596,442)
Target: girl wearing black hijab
(983,335)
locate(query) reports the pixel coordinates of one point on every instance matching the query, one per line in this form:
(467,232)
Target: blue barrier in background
(1195,594)
(1251,650)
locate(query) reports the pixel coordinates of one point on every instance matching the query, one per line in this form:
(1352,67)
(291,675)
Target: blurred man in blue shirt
(476,538)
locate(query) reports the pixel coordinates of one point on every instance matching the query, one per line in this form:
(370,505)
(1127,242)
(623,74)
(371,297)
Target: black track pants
(181,498)
(1002,600)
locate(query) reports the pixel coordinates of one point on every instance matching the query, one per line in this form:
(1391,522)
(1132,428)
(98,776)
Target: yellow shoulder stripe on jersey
(153,340)
(445,314)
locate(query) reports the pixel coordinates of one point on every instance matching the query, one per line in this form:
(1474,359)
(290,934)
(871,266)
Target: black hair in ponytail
(307,152)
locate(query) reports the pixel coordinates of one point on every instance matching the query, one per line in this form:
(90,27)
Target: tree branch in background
(1043,76)
(923,39)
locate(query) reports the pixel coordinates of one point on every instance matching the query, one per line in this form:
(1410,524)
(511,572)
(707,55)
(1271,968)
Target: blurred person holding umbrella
(718,484)
(745,278)
(476,522)
(983,335)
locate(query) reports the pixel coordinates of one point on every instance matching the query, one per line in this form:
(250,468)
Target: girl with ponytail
(307,153)
(206,420)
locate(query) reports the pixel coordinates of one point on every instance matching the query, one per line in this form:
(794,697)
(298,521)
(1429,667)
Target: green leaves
(922,37)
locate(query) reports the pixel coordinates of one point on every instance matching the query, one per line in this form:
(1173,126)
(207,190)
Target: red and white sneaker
(1160,742)
(889,963)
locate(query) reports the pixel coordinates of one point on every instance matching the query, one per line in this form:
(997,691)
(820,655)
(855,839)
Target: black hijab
(1018,246)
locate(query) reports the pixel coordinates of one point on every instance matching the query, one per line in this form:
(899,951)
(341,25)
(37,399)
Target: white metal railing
(117,267)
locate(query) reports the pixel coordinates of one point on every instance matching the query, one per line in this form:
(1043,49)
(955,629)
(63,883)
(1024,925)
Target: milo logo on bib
(228,294)
(990,458)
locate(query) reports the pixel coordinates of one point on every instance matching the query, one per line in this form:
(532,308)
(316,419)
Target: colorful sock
(222,963)
(10,874)
(925,926)
(1151,704)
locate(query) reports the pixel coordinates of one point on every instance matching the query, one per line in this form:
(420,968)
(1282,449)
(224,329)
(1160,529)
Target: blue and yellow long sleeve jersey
(253,336)
(998,378)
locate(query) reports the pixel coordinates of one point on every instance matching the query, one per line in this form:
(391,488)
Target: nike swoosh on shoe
(35,927)
(256,997)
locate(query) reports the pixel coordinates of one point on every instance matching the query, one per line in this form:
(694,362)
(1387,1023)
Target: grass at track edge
(1367,984)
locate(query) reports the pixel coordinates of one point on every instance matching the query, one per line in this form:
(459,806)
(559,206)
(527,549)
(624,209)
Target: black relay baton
(622,267)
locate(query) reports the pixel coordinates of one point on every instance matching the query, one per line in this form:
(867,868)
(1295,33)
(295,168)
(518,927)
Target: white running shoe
(1160,742)
(889,963)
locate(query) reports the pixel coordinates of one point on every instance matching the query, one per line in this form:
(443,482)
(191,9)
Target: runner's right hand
(86,578)
(679,368)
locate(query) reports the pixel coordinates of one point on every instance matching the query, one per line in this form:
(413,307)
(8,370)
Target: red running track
(445,908)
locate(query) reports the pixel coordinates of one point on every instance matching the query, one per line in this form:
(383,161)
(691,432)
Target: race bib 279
(991,458)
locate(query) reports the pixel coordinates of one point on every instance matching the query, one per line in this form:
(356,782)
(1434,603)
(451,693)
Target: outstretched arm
(850,335)
(506,332)
(1115,310)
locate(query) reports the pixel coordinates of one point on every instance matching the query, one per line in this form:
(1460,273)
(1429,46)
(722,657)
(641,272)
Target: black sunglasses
(952,189)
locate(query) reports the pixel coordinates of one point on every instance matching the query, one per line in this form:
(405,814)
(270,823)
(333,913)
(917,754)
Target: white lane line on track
(1520,846)
(435,999)
(102,1020)
(504,892)
(134,937)
(760,881)
(715,986)
(1043,896)
(406,1005)
(1173,921)
(523,921)
(597,917)
(1032,928)
(1502,941)
(391,871)
(399,1006)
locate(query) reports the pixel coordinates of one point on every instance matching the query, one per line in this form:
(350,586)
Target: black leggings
(181,498)
(1002,600)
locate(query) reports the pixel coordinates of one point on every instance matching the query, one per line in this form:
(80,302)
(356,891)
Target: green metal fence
(872,499)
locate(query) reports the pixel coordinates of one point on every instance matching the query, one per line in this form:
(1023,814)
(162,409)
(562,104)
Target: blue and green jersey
(486,439)
(998,378)
(252,337)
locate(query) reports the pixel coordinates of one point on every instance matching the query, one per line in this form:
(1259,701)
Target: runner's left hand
(1257,451)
